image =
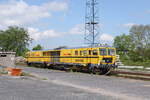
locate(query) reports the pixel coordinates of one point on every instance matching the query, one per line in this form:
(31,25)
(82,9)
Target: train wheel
(44,65)
(96,71)
(74,69)
(106,71)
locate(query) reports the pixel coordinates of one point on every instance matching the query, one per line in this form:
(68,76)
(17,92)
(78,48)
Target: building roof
(3,52)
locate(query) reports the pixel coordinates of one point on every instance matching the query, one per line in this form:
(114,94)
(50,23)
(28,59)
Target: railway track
(142,75)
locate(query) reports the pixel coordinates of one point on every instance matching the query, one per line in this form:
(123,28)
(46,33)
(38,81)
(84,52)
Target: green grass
(145,64)
(27,74)
(126,61)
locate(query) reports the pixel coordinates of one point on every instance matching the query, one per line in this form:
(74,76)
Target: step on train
(92,59)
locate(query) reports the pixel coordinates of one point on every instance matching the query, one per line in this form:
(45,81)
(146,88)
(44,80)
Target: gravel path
(29,89)
(72,86)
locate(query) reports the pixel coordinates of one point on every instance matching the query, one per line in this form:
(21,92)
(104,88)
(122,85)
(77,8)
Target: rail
(144,75)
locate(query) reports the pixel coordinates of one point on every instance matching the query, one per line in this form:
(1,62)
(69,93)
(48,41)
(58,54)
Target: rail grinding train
(99,59)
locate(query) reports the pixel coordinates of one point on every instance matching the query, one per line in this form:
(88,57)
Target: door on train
(55,56)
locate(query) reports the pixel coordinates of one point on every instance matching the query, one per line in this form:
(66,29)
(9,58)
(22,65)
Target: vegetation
(135,47)
(38,47)
(15,39)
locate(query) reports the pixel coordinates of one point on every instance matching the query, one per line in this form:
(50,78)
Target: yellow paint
(82,56)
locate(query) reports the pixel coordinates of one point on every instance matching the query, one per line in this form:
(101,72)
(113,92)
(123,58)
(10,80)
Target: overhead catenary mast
(92,22)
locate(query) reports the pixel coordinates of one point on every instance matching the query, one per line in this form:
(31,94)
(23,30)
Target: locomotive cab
(107,59)
(107,55)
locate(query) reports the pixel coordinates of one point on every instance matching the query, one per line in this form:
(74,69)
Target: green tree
(137,43)
(38,47)
(140,37)
(15,39)
(123,42)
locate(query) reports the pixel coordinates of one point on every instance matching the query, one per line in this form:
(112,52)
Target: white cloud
(37,35)
(106,37)
(129,25)
(77,29)
(55,6)
(20,13)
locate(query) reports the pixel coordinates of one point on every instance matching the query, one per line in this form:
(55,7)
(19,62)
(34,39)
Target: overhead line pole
(91,22)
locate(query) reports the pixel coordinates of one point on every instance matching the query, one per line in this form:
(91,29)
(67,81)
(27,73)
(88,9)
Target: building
(7,59)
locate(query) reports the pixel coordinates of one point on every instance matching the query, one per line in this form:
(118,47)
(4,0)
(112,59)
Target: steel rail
(131,72)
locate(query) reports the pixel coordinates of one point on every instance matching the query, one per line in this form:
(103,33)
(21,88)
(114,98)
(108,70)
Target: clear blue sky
(54,23)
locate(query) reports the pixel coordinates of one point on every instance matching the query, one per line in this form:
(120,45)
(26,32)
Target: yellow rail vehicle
(95,59)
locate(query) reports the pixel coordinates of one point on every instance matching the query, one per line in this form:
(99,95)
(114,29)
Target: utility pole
(92,22)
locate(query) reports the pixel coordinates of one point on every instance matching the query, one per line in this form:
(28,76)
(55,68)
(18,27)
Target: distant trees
(137,43)
(123,42)
(38,47)
(14,39)
(140,37)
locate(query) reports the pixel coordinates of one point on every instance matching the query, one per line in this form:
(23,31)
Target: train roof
(74,48)
(85,47)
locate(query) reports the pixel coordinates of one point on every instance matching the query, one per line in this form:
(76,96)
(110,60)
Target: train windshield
(103,52)
(111,52)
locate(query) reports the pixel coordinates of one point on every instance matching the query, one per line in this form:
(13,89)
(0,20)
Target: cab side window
(95,52)
(76,53)
(44,54)
(90,52)
(81,52)
(84,52)
(103,51)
